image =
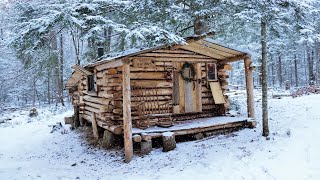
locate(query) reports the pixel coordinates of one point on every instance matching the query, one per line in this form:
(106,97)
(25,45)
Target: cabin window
(91,83)
(212,72)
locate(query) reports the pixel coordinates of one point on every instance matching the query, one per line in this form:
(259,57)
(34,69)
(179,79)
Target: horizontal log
(92,109)
(149,69)
(109,64)
(113,84)
(102,108)
(96,99)
(114,80)
(103,118)
(174,51)
(90,93)
(104,88)
(113,128)
(173,55)
(207,101)
(105,94)
(148,75)
(150,83)
(108,76)
(102,82)
(209,107)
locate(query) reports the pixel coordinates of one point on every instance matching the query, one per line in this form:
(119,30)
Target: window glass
(91,83)
(212,72)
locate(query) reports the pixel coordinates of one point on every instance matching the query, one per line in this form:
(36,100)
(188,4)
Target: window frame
(216,73)
(91,83)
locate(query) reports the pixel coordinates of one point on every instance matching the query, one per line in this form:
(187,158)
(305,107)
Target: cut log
(108,139)
(169,141)
(252,124)
(145,147)
(114,129)
(136,138)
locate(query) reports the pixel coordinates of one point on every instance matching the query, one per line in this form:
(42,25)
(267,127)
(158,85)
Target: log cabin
(162,92)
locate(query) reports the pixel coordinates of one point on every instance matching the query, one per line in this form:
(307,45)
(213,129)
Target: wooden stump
(76,121)
(108,139)
(199,136)
(146,137)
(82,121)
(169,141)
(145,147)
(68,120)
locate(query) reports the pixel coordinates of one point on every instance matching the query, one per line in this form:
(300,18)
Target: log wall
(157,72)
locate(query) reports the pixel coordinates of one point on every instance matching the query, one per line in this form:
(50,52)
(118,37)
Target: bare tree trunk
(310,66)
(318,63)
(76,44)
(272,72)
(305,68)
(108,33)
(48,87)
(280,71)
(61,72)
(34,91)
(56,67)
(265,127)
(296,70)
(291,73)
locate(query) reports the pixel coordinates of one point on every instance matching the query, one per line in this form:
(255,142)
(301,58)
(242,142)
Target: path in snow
(30,151)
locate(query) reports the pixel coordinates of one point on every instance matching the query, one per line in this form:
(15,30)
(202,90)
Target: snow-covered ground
(29,151)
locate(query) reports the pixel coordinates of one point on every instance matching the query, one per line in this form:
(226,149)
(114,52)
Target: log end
(252,124)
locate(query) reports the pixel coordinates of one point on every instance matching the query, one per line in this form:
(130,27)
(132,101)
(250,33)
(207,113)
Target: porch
(195,126)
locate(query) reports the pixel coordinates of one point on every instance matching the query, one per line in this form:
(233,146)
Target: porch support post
(249,87)
(198,88)
(127,122)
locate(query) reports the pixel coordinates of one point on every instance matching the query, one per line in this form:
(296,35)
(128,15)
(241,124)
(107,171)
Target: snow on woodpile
(306,90)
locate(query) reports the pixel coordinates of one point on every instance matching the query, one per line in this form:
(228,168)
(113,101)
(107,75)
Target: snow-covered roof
(197,44)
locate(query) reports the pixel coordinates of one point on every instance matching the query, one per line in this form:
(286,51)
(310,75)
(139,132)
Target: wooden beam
(195,47)
(233,59)
(170,55)
(95,126)
(178,59)
(110,64)
(127,122)
(81,70)
(220,48)
(249,87)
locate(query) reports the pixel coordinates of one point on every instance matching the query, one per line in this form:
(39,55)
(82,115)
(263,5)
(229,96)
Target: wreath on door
(188,77)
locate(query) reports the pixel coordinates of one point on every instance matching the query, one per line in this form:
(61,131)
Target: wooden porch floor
(196,126)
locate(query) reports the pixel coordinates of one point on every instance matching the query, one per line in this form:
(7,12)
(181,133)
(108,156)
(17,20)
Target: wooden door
(186,95)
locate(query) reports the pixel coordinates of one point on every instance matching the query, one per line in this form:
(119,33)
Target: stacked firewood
(306,91)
